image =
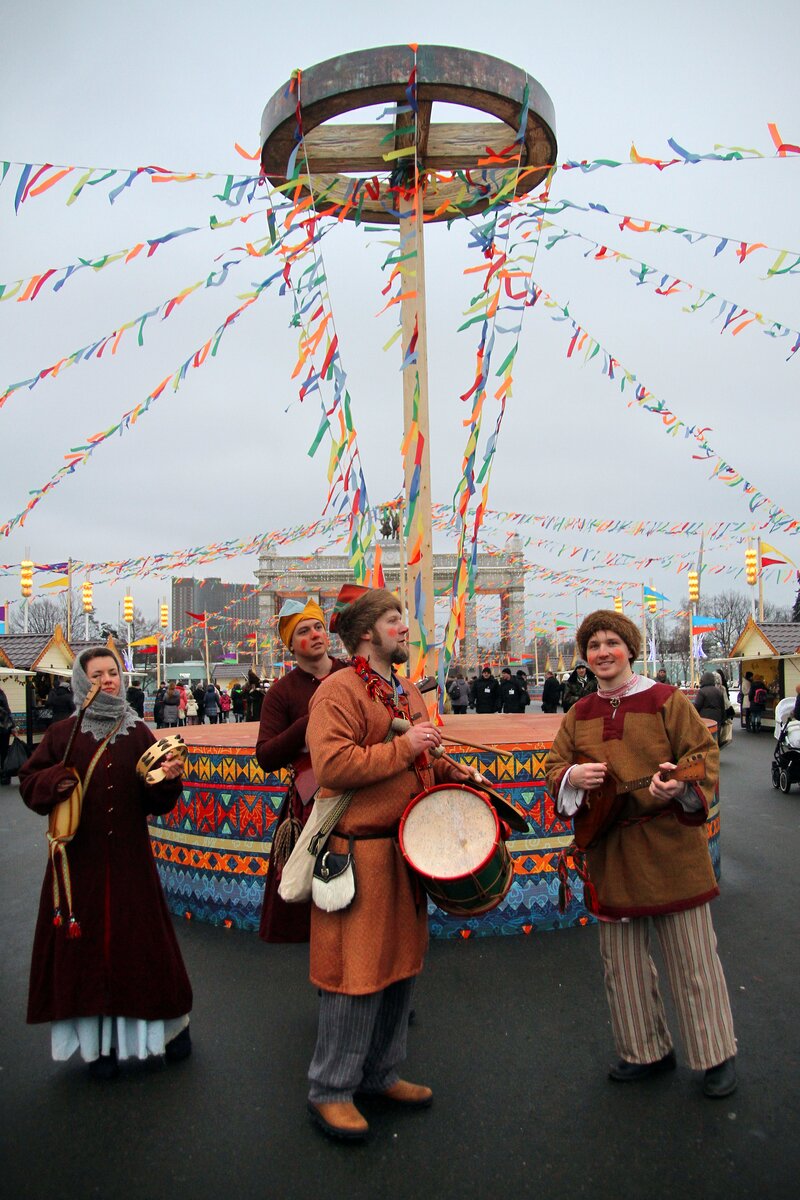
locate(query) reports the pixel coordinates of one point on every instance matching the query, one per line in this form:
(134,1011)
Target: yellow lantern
(164,616)
(26,577)
(751,566)
(127,610)
(618,604)
(86,596)
(652,605)
(694,587)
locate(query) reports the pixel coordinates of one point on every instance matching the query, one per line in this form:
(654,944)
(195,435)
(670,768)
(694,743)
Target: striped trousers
(689,947)
(361,1040)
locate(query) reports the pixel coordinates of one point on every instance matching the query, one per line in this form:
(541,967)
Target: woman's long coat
(126,961)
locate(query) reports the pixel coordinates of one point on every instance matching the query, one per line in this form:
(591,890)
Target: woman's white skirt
(129,1036)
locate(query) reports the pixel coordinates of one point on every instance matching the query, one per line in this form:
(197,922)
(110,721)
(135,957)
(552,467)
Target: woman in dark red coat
(106,970)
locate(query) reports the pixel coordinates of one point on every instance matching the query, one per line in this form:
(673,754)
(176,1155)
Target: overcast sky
(225,457)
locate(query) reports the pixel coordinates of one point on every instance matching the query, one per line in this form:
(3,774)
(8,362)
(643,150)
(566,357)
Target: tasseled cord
(564,887)
(284,842)
(59,848)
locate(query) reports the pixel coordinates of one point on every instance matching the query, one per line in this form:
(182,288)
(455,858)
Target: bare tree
(733,608)
(43,616)
(777,612)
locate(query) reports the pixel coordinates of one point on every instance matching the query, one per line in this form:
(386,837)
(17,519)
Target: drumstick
(400,725)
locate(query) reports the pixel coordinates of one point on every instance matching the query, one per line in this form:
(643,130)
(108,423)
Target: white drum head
(449,833)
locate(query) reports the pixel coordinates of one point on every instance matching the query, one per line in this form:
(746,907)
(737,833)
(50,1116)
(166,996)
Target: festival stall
(41,659)
(770,649)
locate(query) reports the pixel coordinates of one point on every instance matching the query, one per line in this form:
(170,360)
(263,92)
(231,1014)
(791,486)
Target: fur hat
(611,622)
(359,617)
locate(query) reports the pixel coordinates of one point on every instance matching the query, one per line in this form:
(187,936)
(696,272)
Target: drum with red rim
(450,837)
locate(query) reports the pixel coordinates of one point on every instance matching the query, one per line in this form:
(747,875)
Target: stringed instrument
(602,806)
(64,818)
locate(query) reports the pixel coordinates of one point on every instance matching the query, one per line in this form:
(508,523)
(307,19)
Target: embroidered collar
(384,691)
(618,693)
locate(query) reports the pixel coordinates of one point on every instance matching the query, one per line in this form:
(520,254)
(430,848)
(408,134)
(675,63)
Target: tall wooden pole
(402,557)
(645,671)
(70,599)
(760,583)
(415,410)
(205,631)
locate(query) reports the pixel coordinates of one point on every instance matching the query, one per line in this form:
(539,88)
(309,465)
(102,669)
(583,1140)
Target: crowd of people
(178,704)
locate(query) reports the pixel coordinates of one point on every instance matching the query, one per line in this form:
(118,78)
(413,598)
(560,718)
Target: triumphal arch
(321,575)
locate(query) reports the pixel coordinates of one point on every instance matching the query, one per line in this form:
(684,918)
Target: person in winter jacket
(511,693)
(523,683)
(172,706)
(135,697)
(59,699)
(211,704)
(486,692)
(158,707)
(580,683)
(551,693)
(758,702)
(191,709)
(458,692)
(710,702)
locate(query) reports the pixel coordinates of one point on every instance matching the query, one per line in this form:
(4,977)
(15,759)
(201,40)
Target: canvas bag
(298,871)
(295,884)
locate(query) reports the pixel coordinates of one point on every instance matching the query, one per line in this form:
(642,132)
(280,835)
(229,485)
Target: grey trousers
(361,1040)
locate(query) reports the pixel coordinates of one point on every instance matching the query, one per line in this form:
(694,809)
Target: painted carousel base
(212,850)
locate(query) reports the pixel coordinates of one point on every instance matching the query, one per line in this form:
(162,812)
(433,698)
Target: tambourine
(147,767)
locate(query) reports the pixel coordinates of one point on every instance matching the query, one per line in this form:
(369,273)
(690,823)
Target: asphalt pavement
(512,1033)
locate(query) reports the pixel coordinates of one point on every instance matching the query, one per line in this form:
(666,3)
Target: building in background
(232,614)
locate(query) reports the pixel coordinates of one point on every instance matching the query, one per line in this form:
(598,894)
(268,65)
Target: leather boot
(413,1095)
(339,1119)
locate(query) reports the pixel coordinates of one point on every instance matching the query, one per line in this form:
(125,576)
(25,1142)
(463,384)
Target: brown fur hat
(611,622)
(360,616)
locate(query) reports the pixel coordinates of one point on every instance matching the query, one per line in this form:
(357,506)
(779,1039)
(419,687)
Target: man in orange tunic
(364,958)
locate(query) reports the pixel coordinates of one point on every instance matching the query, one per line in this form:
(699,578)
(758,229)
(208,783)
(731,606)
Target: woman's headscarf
(105,710)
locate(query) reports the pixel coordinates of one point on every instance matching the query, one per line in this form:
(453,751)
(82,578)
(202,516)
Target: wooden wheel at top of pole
(339,155)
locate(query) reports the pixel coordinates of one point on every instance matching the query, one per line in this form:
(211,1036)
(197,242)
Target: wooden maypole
(419,170)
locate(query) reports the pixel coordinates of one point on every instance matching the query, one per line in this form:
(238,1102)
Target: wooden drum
(450,837)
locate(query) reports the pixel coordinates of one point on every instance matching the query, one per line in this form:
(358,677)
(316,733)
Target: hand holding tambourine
(165,759)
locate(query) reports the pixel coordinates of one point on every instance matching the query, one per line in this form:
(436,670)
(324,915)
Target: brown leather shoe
(339,1119)
(414,1095)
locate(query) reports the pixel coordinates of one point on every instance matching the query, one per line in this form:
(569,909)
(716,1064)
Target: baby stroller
(786,759)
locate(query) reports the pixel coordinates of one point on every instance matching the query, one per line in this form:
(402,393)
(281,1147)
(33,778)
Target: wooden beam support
(447,146)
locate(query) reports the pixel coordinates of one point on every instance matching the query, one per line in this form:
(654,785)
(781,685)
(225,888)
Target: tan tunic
(662,865)
(383,935)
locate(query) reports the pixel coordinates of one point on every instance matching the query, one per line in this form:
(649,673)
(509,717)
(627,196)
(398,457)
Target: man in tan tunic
(646,856)
(364,959)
